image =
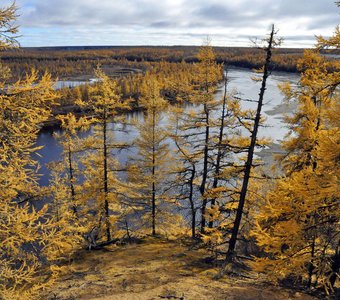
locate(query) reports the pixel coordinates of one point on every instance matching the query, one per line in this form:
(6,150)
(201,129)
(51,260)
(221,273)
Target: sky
(171,22)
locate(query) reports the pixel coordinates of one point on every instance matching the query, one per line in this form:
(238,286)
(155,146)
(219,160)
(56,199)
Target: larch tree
(229,146)
(185,185)
(67,170)
(224,133)
(23,231)
(219,147)
(67,209)
(8,30)
(102,185)
(298,223)
(208,74)
(149,169)
(185,181)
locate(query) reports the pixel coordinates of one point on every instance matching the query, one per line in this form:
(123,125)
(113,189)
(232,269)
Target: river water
(239,81)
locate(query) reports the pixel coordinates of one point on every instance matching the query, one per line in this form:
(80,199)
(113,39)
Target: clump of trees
(31,238)
(297,225)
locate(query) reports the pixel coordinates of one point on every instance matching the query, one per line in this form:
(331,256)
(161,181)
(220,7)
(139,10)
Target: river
(240,81)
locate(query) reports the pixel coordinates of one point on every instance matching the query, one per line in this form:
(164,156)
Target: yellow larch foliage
(150,168)
(298,222)
(68,212)
(23,230)
(102,189)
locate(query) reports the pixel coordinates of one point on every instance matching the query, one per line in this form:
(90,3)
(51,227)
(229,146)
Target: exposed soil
(158,269)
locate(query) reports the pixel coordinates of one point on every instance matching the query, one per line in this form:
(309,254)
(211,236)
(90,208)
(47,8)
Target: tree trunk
(70,167)
(219,146)
(191,191)
(153,200)
(106,189)
(311,264)
(205,168)
(192,204)
(248,165)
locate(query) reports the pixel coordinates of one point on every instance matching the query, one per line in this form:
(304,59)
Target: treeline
(198,177)
(67,63)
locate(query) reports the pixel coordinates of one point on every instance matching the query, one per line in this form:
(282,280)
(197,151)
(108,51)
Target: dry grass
(156,269)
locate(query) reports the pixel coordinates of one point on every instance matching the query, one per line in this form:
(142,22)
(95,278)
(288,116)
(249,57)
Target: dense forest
(74,61)
(195,182)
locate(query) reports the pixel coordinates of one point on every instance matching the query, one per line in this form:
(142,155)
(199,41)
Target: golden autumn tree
(225,121)
(24,231)
(66,171)
(102,186)
(8,29)
(298,223)
(208,74)
(229,142)
(185,184)
(227,145)
(149,170)
(67,209)
(186,133)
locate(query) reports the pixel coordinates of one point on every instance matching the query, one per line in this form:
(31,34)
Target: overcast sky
(171,22)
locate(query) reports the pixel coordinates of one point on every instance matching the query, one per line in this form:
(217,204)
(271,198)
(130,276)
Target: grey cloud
(118,12)
(323,21)
(178,17)
(305,7)
(138,12)
(163,24)
(215,12)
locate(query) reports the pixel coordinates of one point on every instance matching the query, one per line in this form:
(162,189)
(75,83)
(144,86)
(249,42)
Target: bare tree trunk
(191,190)
(205,168)
(311,264)
(70,167)
(248,165)
(192,204)
(106,189)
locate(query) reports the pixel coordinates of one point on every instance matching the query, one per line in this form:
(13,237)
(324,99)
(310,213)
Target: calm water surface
(240,82)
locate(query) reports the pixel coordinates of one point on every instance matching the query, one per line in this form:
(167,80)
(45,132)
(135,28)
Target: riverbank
(157,268)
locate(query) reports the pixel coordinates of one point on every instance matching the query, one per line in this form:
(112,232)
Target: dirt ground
(157,269)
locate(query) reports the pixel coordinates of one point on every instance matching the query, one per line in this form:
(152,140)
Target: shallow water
(72,83)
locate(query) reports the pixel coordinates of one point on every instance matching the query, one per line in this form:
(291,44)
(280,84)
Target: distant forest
(66,62)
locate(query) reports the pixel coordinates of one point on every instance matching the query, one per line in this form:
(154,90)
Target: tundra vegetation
(194,188)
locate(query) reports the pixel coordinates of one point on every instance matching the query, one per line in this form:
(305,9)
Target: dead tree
(249,162)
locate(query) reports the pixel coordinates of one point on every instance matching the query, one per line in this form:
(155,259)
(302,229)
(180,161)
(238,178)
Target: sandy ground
(157,269)
(283,108)
(271,152)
